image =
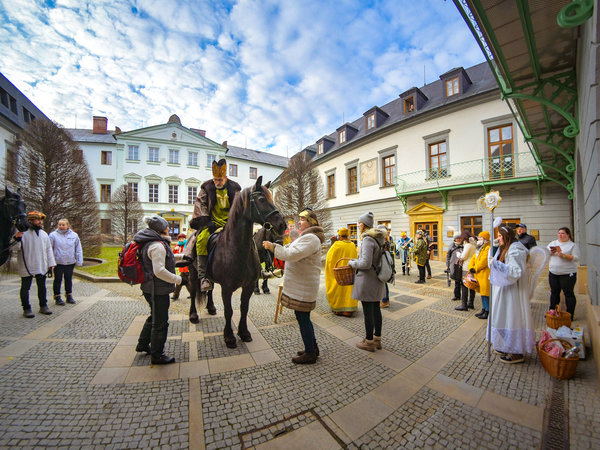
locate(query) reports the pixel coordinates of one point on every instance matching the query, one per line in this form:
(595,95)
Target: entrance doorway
(174,227)
(431,228)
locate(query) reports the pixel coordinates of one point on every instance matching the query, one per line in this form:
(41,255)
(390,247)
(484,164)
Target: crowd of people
(475,263)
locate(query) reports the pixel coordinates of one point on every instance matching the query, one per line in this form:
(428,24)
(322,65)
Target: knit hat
(33,215)
(403,234)
(156,223)
(456,236)
(181,235)
(367,219)
(343,232)
(485,235)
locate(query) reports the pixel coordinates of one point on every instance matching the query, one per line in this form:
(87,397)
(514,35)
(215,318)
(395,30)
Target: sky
(272,75)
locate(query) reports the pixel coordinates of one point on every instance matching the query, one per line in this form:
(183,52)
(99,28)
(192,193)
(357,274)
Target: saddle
(210,248)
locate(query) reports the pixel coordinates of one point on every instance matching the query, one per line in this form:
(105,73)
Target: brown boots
(368,345)
(305,358)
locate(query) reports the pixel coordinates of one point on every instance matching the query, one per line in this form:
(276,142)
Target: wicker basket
(560,368)
(563,318)
(470,282)
(343,275)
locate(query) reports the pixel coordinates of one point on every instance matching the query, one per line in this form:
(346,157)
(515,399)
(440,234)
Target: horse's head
(13,209)
(263,210)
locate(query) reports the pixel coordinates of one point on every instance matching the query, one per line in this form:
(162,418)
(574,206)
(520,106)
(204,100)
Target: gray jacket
(367,287)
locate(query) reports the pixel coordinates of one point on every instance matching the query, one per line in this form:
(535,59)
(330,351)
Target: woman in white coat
(512,328)
(301,279)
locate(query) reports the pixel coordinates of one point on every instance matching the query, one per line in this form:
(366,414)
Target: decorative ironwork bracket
(575,13)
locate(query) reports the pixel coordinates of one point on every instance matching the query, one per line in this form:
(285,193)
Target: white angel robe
(512,328)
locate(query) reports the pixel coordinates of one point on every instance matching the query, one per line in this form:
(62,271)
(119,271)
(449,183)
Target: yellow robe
(339,297)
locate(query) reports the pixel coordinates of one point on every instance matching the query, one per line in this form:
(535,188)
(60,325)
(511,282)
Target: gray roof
(21,102)
(482,81)
(81,135)
(256,156)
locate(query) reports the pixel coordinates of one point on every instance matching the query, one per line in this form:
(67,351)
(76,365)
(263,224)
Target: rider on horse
(211,211)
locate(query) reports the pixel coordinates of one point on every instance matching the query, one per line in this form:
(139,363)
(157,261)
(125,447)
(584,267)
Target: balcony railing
(487,171)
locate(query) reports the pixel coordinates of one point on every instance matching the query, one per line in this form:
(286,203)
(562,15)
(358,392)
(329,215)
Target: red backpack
(129,265)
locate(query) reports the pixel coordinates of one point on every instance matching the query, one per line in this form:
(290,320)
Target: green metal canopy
(531,47)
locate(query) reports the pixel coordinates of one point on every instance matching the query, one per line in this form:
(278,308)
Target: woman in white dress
(512,328)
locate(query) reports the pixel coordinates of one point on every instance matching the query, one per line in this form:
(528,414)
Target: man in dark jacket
(158,260)
(526,239)
(211,211)
(455,270)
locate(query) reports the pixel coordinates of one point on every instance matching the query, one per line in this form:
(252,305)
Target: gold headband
(219,169)
(309,219)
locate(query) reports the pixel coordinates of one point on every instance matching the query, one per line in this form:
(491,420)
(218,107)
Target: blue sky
(275,75)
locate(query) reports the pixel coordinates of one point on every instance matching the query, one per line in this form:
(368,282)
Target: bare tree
(127,213)
(55,180)
(300,186)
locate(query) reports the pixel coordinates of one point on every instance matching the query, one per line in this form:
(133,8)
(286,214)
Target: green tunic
(219,216)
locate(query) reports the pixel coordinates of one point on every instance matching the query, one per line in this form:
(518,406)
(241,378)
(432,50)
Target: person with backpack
(453,265)
(368,288)
(67,253)
(35,260)
(158,262)
(385,301)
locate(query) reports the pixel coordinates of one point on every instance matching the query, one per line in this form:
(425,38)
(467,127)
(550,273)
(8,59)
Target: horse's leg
(256,288)
(265,286)
(243,332)
(230,340)
(193,285)
(210,304)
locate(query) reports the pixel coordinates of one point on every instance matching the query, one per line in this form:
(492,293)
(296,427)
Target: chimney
(200,132)
(100,125)
(224,144)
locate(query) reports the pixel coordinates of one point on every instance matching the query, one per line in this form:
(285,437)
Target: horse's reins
(265,218)
(13,222)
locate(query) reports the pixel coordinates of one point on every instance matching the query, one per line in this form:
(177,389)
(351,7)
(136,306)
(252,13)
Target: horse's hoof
(246,337)
(212,311)
(194,318)
(267,291)
(231,342)
(257,291)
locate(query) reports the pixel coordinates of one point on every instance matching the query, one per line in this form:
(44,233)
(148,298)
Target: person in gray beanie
(366,219)
(158,260)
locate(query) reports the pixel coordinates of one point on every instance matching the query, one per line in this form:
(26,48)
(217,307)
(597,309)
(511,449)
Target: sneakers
(429,277)
(45,310)
(27,313)
(512,358)
(367,345)
(420,282)
(301,352)
(377,341)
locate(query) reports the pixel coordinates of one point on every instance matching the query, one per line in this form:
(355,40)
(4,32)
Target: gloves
(212,227)
(472,270)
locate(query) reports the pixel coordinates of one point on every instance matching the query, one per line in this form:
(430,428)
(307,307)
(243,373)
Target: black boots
(462,307)
(70,299)
(59,301)
(162,359)
(28,313)
(45,310)
(142,348)
(483,314)
(471,305)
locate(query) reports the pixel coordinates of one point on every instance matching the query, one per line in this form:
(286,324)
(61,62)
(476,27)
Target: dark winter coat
(161,287)
(207,199)
(367,287)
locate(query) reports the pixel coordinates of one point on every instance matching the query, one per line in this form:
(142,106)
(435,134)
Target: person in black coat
(526,239)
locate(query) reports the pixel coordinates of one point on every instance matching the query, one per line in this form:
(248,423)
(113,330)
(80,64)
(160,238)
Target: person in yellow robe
(339,297)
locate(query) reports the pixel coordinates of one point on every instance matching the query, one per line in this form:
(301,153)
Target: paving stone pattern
(173,347)
(214,347)
(269,432)
(408,299)
(447,305)
(431,420)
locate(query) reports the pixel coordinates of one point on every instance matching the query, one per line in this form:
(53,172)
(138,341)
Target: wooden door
(431,228)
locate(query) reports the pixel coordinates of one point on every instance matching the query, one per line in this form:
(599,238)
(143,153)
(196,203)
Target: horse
(233,257)
(265,256)
(12,215)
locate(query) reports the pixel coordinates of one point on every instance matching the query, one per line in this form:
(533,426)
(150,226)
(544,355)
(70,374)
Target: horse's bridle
(265,218)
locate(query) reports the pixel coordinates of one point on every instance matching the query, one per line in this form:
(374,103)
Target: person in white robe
(512,329)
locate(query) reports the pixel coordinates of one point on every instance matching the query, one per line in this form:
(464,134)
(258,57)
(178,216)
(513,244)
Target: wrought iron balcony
(484,172)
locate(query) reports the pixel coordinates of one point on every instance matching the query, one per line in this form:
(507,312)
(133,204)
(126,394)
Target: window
(153,154)
(353,232)
(438,160)
(153,193)
(233,170)
(11,162)
(510,223)
(210,159)
(27,116)
(409,105)
(253,173)
(371,121)
(192,194)
(105,193)
(320,148)
(132,192)
(474,224)
(173,191)
(192,158)
(452,87)
(389,170)
(342,136)
(132,226)
(133,153)
(105,226)
(106,158)
(352,180)
(173,156)
(13,105)
(500,152)
(331,186)
(4,97)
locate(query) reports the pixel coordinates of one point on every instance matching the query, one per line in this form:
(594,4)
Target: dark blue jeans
(373,319)
(307,330)
(63,270)
(40,280)
(156,326)
(386,299)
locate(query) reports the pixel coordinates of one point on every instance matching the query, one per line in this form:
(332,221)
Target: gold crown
(219,169)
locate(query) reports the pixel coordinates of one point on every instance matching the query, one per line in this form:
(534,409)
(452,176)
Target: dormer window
(342,136)
(320,148)
(452,87)
(371,121)
(409,105)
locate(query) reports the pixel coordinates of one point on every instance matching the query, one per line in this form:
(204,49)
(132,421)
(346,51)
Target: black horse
(265,256)
(233,259)
(12,215)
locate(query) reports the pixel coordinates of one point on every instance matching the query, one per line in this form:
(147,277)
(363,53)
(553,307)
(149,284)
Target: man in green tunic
(211,210)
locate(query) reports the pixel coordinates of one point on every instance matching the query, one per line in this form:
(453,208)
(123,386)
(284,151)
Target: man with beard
(35,259)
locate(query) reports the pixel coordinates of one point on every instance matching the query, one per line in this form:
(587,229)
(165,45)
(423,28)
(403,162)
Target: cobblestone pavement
(73,379)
